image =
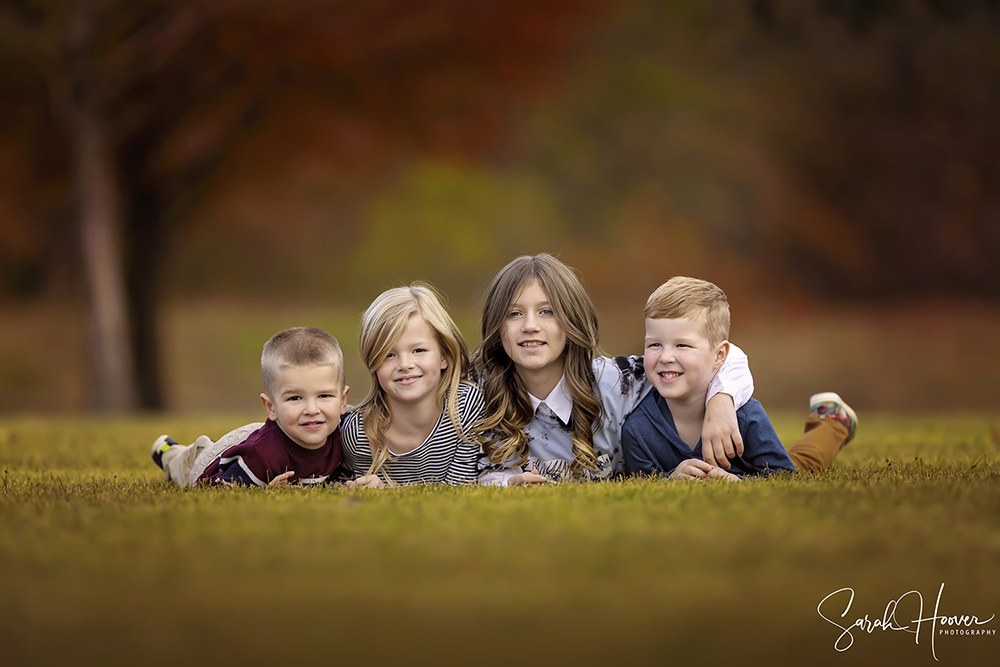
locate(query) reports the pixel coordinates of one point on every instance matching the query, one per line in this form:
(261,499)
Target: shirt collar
(558,400)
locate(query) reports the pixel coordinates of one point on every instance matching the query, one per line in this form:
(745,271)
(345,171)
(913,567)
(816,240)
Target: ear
(444,363)
(721,354)
(269,406)
(343,399)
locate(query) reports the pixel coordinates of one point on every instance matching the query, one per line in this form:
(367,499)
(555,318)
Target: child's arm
(235,473)
(729,391)
(464,466)
(698,469)
(719,473)
(493,475)
(734,378)
(642,460)
(765,453)
(639,458)
(365,482)
(281,480)
(720,432)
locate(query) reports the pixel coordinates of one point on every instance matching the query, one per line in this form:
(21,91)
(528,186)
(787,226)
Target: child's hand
(525,478)
(280,480)
(720,433)
(692,469)
(365,482)
(719,473)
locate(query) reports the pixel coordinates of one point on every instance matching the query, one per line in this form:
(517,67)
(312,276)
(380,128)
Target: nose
(312,406)
(404,361)
(529,323)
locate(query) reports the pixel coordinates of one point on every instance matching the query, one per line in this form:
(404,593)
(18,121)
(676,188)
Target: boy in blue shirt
(687,324)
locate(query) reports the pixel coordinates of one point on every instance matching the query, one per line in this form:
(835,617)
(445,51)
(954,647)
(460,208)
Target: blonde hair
(381,326)
(508,407)
(682,296)
(299,346)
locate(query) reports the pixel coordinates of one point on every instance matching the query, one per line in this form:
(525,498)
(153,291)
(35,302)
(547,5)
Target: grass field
(102,563)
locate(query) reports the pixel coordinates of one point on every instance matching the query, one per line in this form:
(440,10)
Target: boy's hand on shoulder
(692,469)
(365,482)
(281,480)
(526,478)
(719,473)
(720,432)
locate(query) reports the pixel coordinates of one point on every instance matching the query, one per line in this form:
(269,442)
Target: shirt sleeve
(235,472)
(464,468)
(733,378)
(638,457)
(762,447)
(620,392)
(492,475)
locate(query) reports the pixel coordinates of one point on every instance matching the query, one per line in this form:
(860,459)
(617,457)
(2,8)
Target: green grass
(103,563)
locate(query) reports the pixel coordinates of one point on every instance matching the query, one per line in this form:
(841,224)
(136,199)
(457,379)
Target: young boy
(304,395)
(687,324)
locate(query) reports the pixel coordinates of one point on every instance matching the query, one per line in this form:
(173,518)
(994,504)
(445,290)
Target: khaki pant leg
(183,464)
(816,449)
(177,460)
(208,454)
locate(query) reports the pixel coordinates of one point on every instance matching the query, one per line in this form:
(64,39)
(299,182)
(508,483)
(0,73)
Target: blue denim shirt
(652,445)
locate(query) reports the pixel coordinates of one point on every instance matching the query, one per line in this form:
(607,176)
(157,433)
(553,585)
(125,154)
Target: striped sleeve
(464,468)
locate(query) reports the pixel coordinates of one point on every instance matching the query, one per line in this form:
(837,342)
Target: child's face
(307,403)
(532,336)
(411,370)
(679,361)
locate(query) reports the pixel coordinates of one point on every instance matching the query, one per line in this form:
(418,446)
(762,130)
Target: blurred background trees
(139,103)
(317,152)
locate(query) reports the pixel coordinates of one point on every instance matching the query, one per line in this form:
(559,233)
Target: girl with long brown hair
(554,407)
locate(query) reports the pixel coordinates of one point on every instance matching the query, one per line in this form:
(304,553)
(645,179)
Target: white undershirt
(558,400)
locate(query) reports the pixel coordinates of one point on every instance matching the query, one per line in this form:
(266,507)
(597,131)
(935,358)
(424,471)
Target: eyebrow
(518,304)
(419,343)
(328,390)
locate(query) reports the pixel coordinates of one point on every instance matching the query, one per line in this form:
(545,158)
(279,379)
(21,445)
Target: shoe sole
(157,451)
(828,396)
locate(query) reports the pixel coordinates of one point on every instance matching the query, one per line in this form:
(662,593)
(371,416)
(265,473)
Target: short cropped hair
(299,346)
(683,297)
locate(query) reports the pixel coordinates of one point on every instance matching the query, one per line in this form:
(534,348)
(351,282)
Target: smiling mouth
(531,344)
(670,375)
(312,424)
(409,379)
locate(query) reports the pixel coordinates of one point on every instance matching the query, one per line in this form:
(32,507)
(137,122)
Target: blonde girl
(554,408)
(416,424)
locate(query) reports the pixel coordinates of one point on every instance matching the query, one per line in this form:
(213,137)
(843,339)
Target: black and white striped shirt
(443,458)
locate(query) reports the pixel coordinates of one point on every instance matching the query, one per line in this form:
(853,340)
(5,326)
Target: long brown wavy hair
(508,407)
(381,326)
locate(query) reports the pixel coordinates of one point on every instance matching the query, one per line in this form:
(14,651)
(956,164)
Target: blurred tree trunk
(144,258)
(98,214)
(153,96)
(110,349)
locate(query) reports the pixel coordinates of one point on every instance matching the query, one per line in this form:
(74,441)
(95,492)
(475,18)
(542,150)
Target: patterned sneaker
(829,405)
(162,444)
